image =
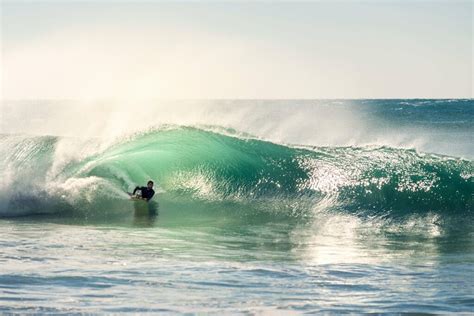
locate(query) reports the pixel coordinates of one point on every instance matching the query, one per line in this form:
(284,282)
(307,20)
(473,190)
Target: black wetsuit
(146,193)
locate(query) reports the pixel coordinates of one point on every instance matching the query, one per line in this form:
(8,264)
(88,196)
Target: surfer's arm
(136,189)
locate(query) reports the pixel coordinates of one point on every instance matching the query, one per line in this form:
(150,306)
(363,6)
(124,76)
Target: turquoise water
(248,217)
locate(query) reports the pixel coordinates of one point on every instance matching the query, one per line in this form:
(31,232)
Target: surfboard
(135,197)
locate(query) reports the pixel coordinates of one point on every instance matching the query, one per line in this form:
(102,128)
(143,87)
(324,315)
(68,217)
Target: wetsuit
(146,193)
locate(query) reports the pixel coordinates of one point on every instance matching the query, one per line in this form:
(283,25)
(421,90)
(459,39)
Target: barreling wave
(53,174)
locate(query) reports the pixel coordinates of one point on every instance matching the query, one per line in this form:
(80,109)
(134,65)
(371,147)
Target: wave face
(60,174)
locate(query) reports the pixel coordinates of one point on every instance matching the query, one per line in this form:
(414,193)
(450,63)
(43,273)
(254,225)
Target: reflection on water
(350,239)
(326,237)
(215,261)
(145,213)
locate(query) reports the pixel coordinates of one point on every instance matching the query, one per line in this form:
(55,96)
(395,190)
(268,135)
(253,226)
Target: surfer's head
(150,184)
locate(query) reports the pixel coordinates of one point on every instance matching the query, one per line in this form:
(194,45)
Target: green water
(240,224)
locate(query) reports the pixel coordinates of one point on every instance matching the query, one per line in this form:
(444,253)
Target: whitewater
(262,206)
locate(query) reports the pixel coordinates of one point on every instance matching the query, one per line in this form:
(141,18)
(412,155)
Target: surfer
(146,192)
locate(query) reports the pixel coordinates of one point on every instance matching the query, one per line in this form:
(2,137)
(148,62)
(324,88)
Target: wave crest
(197,164)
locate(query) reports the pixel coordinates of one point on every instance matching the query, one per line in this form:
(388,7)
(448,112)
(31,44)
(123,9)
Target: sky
(236,49)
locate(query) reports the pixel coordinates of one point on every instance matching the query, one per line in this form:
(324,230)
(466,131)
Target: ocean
(261,206)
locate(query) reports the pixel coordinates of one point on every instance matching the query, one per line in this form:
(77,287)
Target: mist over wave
(433,126)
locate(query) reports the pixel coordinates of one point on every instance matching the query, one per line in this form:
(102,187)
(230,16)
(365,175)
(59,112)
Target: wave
(47,174)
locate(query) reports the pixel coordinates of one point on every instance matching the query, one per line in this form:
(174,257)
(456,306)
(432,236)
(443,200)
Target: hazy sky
(239,49)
